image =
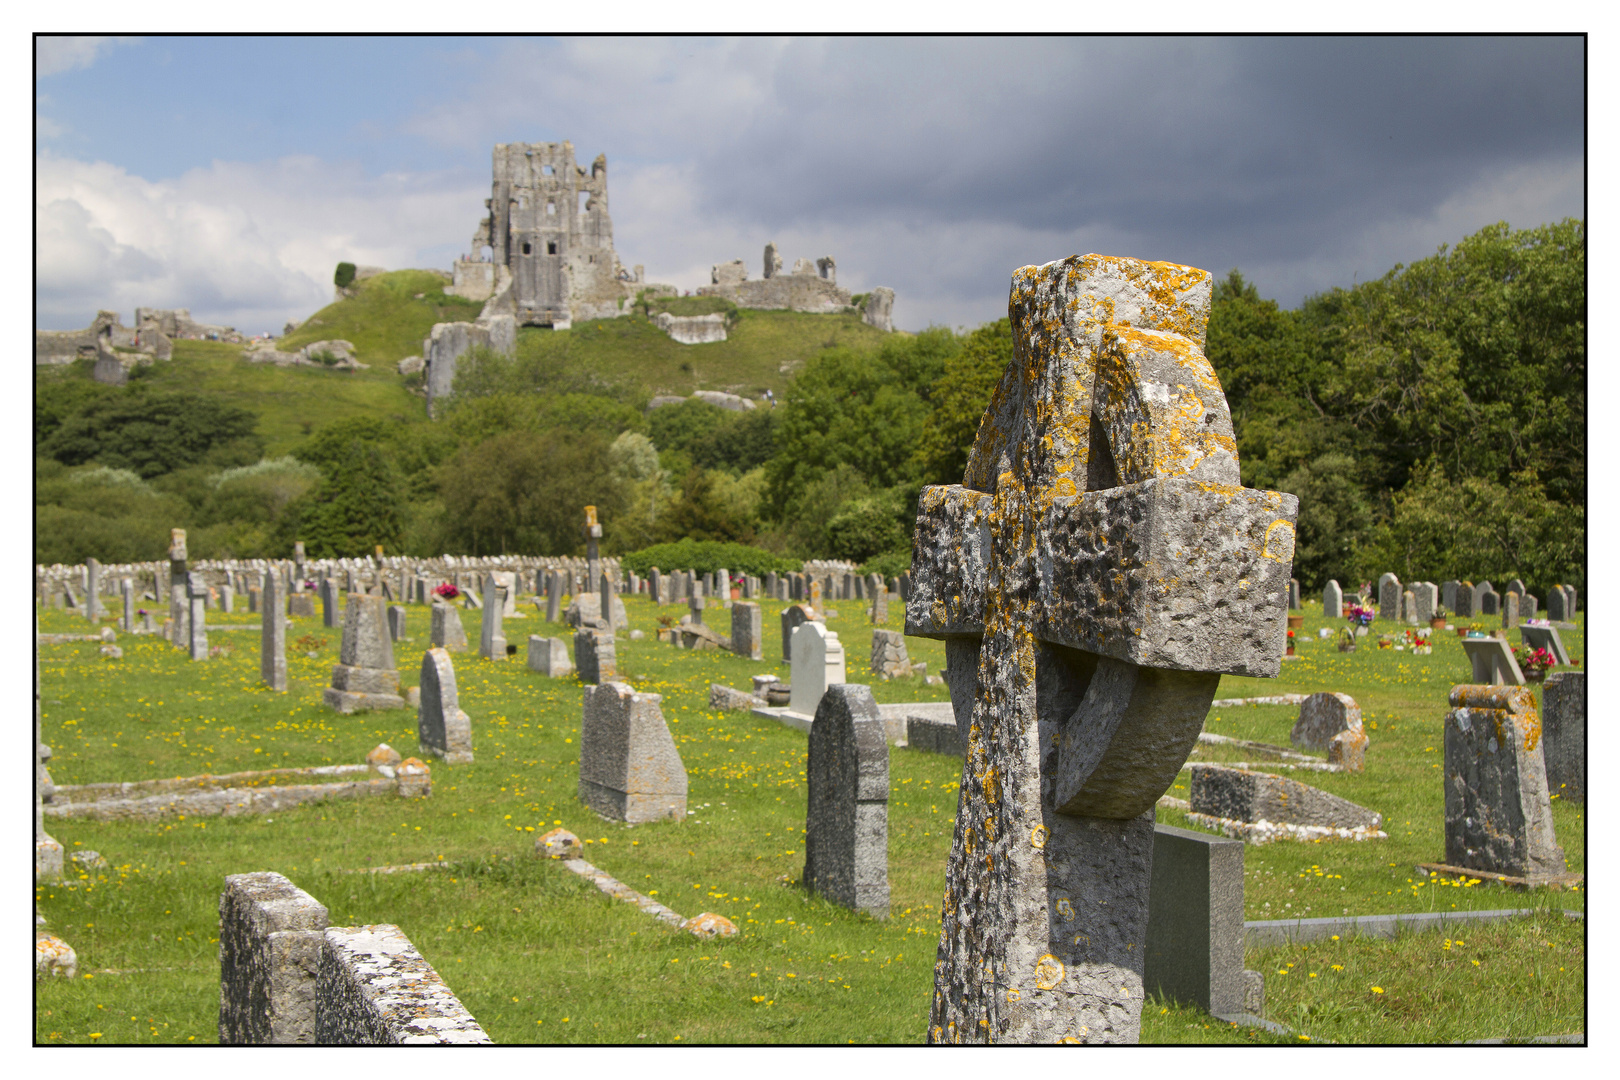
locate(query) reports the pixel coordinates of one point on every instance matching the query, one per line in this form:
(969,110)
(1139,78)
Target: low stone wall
(372,988)
(202,796)
(692,329)
(270,937)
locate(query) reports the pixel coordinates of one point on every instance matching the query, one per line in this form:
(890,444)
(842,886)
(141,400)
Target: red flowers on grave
(1534,662)
(447,591)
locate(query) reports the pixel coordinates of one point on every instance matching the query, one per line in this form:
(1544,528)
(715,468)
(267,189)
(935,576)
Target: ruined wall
(812,286)
(549,227)
(449,341)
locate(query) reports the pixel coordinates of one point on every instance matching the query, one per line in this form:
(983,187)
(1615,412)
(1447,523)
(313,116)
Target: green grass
(384,319)
(538,955)
(761,350)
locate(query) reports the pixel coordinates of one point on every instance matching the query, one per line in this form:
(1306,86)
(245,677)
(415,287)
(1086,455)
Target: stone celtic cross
(1095,573)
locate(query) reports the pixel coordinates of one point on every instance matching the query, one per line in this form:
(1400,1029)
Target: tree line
(1432,423)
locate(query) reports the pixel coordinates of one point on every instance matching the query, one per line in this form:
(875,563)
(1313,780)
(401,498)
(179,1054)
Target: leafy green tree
(153,432)
(1336,520)
(525,492)
(867,527)
(356,507)
(111,514)
(959,399)
(702,512)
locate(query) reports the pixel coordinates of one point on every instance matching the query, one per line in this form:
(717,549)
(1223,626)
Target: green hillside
(387,317)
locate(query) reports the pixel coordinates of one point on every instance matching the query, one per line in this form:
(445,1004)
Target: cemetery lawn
(538,955)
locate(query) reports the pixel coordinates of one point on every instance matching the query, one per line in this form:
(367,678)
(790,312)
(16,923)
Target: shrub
(890,564)
(344,276)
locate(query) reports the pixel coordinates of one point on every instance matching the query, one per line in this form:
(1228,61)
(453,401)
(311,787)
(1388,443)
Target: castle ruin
(550,241)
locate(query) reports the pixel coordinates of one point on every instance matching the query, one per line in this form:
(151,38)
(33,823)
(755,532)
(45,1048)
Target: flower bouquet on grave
(1360,617)
(1534,662)
(1347,640)
(1290,651)
(447,591)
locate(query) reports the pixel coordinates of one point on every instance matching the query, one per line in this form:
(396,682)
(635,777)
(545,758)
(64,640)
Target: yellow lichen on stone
(1048,972)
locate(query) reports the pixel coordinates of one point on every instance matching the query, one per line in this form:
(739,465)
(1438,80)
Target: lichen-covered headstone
(197,619)
(629,769)
(846,824)
(1095,573)
(179,607)
(1498,815)
(747,630)
(272,635)
(1321,717)
(549,656)
(1563,723)
(442,728)
(270,935)
(1428,600)
(818,662)
(365,676)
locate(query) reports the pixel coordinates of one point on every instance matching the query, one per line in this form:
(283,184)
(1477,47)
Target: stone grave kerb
(1097,570)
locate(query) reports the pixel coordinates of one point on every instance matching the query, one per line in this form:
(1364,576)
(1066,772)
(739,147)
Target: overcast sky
(229,175)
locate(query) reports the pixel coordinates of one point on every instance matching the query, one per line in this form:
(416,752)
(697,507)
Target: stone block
(374,989)
(360,680)
(847,818)
(725,699)
(445,629)
(1323,716)
(747,630)
(595,656)
(1563,726)
(629,769)
(270,934)
(1243,795)
(889,657)
(933,735)
(442,728)
(549,656)
(1498,815)
(1194,941)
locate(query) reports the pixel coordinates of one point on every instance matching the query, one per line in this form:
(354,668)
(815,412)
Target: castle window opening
(551,208)
(545,170)
(525,247)
(551,247)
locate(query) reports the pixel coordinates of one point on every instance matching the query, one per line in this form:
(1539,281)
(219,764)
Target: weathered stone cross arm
(1168,573)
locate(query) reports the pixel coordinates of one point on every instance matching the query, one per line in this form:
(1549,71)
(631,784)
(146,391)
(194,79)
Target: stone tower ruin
(550,241)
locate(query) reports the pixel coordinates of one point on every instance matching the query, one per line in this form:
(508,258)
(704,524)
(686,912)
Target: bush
(891,564)
(344,276)
(707,556)
(526,491)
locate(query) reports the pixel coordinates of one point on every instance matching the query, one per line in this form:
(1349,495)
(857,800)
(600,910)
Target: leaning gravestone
(818,662)
(747,630)
(793,617)
(445,629)
(1498,815)
(365,676)
(273,635)
(1493,663)
(1545,637)
(1563,734)
(442,728)
(846,822)
(549,656)
(1102,546)
(1332,600)
(629,769)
